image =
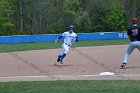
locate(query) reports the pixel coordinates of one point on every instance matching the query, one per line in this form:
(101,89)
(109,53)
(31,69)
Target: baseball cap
(135,20)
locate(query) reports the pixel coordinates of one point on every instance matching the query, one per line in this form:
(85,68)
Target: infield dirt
(82,63)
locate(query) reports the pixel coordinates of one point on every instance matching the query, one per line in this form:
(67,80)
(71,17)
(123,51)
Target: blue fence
(103,36)
(51,38)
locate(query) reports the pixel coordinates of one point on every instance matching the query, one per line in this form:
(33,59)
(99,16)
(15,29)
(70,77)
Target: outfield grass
(86,86)
(50,45)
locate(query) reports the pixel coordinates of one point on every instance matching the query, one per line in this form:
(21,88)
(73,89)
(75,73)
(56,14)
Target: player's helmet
(135,20)
(71,27)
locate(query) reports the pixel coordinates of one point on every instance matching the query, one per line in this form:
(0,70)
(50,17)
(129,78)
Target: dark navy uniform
(134,35)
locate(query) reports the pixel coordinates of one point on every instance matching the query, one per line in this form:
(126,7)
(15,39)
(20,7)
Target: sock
(59,56)
(126,58)
(62,56)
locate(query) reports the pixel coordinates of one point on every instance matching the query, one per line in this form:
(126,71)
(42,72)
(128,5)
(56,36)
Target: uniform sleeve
(64,34)
(129,32)
(76,38)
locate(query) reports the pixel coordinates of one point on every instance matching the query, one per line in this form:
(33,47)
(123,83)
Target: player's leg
(130,49)
(59,56)
(138,47)
(64,53)
(58,59)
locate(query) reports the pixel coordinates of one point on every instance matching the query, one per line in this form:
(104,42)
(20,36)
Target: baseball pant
(131,47)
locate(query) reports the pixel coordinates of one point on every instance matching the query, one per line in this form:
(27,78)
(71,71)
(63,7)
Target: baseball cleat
(123,65)
(58,59)
(61,62)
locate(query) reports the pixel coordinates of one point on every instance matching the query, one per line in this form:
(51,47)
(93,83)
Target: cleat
(123,65)
(61,62)
(58,59)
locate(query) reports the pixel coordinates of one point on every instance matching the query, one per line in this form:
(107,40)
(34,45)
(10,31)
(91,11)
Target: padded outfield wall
(51,38)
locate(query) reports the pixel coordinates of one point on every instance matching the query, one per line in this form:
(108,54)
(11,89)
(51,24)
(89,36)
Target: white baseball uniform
(69,39)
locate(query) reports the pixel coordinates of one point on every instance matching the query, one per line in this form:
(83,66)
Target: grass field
(85,86)
(51,45)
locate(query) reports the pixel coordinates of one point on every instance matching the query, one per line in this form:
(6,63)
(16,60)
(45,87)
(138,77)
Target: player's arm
(77,39)
(129,33)
(61,36)
(58,38)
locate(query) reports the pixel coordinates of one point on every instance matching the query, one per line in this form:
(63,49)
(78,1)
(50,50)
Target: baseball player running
(69,38)
(134,35)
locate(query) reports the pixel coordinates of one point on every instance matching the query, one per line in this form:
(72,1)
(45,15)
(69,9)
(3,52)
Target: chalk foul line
(70,76)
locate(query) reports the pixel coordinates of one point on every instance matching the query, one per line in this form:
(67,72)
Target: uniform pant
(65,48)
(131,47)
(65,51)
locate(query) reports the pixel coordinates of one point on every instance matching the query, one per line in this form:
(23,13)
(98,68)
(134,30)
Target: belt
(67,44)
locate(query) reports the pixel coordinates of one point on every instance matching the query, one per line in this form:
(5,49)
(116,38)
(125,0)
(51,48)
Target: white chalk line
(71,76)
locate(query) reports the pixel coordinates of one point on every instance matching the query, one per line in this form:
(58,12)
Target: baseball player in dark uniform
(134,35)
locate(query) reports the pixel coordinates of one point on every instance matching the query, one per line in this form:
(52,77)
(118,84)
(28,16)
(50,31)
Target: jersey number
(135,32)
(72,40)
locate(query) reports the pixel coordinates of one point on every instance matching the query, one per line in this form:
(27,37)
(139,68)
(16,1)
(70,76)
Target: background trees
(116,18)
(6,17)
(53,16)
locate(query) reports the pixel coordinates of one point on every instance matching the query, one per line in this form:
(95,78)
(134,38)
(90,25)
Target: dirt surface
(82,63)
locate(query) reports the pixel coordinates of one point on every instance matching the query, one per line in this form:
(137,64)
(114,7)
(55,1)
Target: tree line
(26,17)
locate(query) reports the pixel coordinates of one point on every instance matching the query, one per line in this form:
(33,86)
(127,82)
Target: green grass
(50,45)
(85,86)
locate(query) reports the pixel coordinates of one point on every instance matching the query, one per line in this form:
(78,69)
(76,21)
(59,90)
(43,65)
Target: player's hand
(56,40)
(77,39)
